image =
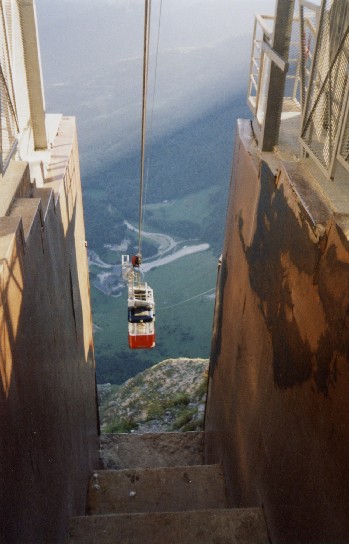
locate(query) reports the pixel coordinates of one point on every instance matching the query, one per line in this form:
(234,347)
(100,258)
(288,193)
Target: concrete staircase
(154,489)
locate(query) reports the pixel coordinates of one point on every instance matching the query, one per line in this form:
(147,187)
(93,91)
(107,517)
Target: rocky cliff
(169,396)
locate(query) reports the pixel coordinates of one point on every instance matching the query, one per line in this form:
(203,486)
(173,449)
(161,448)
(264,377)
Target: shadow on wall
(295,281)
(48,433)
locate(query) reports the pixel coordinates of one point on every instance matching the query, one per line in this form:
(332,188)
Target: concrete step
(29,209)
(238,526)
(45,195)
(169,489)
(150,450)
(15,183)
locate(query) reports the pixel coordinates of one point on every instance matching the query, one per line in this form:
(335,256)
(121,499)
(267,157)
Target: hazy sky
(92,62)
(182,20)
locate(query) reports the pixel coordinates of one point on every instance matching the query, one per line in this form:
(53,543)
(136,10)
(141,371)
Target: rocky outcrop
(169,396)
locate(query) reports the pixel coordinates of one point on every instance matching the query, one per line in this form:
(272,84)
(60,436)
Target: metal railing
(8,127)
(317,79)
(309,17)
(302,45)
(325,131)
(261,57)
(262,33)
(8,112)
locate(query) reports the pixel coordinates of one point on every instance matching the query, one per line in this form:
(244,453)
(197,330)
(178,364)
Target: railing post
(277,77)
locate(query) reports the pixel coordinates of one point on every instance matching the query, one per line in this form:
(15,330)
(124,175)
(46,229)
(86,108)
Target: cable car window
(136,315)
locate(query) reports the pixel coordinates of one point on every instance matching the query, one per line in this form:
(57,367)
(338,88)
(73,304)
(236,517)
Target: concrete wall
(278,402)
(48,430)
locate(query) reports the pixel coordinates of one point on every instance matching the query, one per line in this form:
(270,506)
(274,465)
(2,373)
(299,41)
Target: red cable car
(141,307)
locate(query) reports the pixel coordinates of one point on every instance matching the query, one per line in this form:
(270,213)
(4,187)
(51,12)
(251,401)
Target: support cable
(147,11)
(152,108)
(187,300)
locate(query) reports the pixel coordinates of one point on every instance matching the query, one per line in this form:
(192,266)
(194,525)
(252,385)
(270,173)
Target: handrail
(261,20)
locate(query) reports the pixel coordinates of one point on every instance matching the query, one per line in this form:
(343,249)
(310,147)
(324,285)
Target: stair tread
(46,195)
(221,526)
(27,209)
(166,489)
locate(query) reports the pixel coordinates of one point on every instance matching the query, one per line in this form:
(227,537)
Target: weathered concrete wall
(278,403)
(48,430)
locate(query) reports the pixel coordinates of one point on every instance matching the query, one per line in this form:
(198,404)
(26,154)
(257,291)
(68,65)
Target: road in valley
(168,251)
(186,250)
(166,244)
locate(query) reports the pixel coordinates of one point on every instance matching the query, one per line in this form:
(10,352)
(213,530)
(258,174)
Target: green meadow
(189,208)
